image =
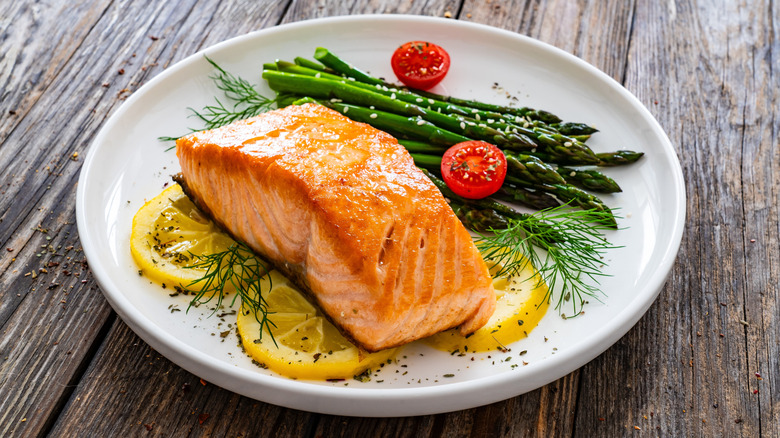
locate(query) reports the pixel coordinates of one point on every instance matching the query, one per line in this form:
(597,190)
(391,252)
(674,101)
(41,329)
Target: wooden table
(705,359)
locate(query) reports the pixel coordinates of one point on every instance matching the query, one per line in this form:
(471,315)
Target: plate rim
(354,398)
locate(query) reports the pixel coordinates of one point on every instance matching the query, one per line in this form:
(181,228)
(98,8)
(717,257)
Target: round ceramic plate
(127,165)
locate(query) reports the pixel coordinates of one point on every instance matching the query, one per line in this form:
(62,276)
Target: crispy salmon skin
(341,209)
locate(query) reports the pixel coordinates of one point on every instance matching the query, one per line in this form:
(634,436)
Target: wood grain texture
(139,392)
(43,361)
(704,360)
(689,367)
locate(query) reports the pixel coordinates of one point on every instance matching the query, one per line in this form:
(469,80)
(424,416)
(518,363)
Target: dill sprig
(234,268)
(572,247)
(246,102)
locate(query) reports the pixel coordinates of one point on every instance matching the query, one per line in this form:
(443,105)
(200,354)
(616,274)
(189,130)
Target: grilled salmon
(340,208)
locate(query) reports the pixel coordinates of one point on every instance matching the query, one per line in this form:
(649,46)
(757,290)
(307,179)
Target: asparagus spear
(296,68)
(422,147)
(478,219)
(603,159)
(399,126)
(303,62)
(618,158)
(531,170)
(535,199)
(564,150)
(425,161)
(330,60)
(589,179)
(571,128)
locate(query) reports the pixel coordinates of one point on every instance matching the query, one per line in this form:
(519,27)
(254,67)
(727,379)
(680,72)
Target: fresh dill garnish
(246,101)
(235,268)
(572,244)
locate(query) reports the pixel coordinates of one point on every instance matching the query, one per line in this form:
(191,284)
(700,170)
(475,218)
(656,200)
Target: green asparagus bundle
(522,129)
(509,131)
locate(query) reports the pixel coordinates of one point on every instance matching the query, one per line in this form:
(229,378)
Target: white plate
(126,165)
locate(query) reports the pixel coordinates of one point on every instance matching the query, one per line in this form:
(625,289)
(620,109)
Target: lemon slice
(307,345)
(520,304)
(167,231)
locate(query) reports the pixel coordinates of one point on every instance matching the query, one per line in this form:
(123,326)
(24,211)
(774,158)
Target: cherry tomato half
(473,169)
(419,64)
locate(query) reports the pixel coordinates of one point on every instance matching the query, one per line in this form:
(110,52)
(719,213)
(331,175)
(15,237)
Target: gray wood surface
(704,360)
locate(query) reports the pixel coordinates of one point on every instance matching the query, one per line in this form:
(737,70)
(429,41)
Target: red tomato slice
(419,64)
(474,169)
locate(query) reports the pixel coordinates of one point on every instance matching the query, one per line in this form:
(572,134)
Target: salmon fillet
(341,209)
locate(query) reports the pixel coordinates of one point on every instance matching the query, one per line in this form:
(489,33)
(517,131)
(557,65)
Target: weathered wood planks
(705,360)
